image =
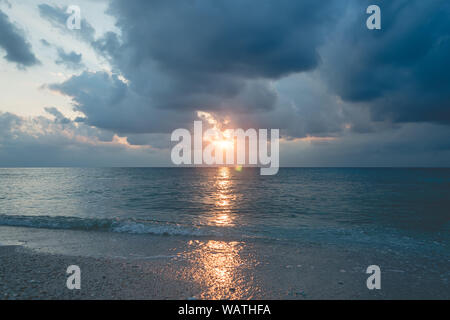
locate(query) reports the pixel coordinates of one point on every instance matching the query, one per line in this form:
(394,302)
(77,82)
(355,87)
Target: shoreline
(180,268)
(32,275)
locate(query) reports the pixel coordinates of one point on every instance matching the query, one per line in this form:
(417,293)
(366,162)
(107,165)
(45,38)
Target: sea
(394,208)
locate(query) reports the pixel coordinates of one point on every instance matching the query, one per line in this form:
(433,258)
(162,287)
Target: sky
(111,93)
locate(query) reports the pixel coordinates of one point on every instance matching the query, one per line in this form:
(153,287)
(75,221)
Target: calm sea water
(408,208)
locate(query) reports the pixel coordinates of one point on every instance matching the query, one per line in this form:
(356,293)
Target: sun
(222,138)
(224,144)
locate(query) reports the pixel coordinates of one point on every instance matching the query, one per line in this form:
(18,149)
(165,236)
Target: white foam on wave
(141,228)
(109,225)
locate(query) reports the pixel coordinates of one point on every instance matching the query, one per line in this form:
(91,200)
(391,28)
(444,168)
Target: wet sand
(181,268)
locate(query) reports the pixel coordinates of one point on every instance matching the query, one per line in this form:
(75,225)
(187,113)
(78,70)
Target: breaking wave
(132,226)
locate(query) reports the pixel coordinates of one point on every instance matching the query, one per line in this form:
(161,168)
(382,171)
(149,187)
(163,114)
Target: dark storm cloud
(108,103)
(401,72)
(57,16)
(71,60)
(243,58)
(254,39)
(181,56)
(13,41)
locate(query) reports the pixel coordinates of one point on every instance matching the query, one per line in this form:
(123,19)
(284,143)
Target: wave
(132,226)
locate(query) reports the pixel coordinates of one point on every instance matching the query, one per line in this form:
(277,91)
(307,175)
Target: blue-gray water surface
(387,207)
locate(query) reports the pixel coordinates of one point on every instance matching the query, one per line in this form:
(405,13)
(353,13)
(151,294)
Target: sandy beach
(180,268)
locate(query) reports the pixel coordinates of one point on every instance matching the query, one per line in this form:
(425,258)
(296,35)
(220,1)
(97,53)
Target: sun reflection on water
(218,266)
(224,197)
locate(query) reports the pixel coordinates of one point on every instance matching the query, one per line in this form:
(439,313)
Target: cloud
(13,41)
(45,42)
(408,145)
(8,121)
(109,103)
(71,60)
(7,3)
(40,141)
(57,16)
(235,37)
(179,57)
(399,72)
(311,69)
(59,117)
